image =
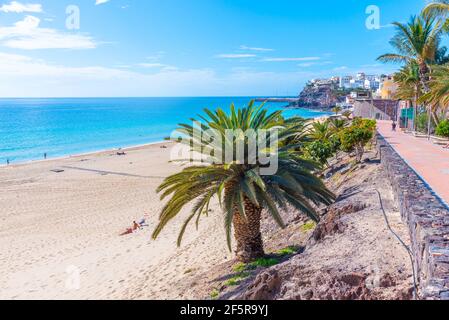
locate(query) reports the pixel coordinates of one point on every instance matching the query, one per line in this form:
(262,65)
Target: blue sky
(188,47)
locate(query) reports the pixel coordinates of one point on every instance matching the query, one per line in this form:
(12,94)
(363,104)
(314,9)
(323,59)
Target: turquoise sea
(61,127)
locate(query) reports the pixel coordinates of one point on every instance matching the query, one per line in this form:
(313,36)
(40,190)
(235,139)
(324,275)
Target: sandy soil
(58,226)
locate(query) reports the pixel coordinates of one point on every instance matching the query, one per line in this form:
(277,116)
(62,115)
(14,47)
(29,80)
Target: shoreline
(126,148)
(84,154)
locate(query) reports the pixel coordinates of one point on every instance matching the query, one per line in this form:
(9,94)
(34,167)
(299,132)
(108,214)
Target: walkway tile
(430,161)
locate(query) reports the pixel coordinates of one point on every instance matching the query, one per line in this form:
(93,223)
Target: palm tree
(409,86)
(439,9)
(241,188)
(347,114)
(321,131)
(301,130)
(416,41)
(438,96)
(338,124)
(337,110)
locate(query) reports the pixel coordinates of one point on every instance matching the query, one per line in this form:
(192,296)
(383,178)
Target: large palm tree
(241,188)
(416,41)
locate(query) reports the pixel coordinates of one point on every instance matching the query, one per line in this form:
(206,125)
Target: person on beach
(7,162)
(45,156)
(136,226)
(128,231)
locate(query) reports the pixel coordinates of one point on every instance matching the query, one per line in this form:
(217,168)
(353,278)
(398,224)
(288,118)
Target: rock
(387,281)
(332,223)
(345,170)
(264,287)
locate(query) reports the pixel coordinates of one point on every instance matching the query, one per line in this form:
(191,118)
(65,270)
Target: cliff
(319,96)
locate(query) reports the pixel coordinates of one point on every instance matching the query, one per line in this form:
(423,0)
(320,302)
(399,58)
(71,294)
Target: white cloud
(306,65)
(165,67)
(310,64)
(235,55)
(291,59)
(98,2)
(26,34)
(23,76)
(243,47)
(18,7)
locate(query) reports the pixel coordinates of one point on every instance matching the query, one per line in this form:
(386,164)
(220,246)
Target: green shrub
(214,294)
(443,129)
(320,151)
(355,137)
(422,122)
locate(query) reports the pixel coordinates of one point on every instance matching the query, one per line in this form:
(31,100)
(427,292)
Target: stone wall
(428,221)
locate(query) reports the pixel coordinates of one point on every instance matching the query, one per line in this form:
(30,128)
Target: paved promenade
(430,161)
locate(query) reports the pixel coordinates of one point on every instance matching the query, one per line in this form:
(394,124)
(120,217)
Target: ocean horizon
(60,127)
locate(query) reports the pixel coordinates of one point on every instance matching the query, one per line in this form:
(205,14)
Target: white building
(360,76)
(345,82)
(373,84)
(360,81)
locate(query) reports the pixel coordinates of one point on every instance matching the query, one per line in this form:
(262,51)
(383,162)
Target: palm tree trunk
(424,76)
(247,233)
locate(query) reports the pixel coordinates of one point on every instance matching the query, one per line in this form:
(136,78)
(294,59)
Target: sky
(144,48)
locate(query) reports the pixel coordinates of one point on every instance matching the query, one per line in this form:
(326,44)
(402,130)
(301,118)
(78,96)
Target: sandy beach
(59,232)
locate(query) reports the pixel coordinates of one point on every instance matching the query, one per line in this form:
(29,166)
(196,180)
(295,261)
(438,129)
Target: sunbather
(136,226)
(128,231)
